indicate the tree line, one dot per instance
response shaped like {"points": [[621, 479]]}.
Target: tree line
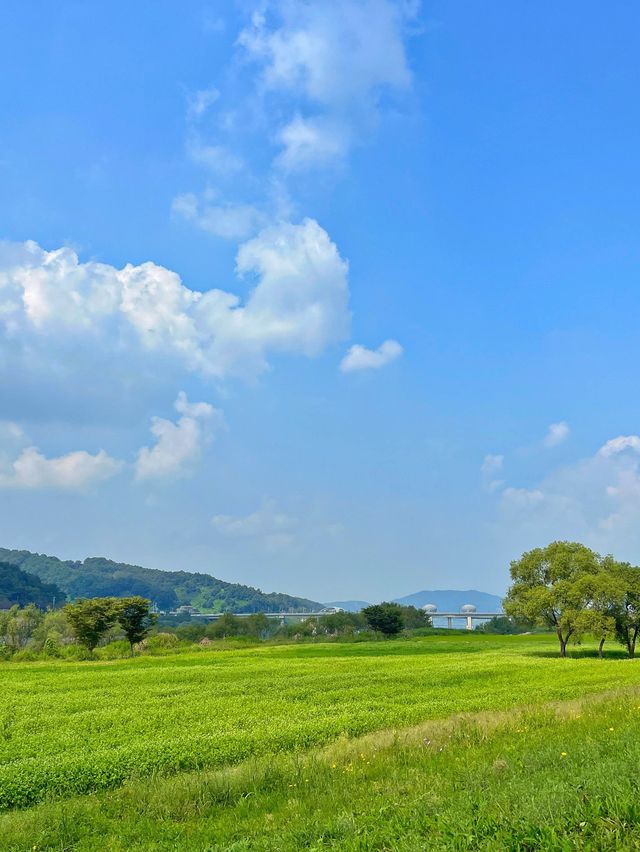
{"points": [[90, 618], [573, 590], [386, 619], [86, 621], [565, 587]]}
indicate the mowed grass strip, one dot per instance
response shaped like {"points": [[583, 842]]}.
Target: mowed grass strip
{"points": [[82, 727], [556, 777]]}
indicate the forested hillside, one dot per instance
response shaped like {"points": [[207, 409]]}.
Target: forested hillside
{"points": [[18, 587], [99, 577]]}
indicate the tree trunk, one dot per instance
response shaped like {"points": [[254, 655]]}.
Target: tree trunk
{"points": [[631, 644], [563, 641], [600, 646]]}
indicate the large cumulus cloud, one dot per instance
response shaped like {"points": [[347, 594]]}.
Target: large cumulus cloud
{"points": [[56, 311]]}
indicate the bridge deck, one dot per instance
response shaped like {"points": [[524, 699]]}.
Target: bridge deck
{"points": [[214, 615]]}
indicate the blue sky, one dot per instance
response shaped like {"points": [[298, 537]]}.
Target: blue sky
{"points": [[338, 299]]}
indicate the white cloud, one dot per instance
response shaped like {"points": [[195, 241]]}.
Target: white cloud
{"points": [[178, 445], [268, 523], [10, 433], [620, 445], [198, 103], [556, 434], [595, 500], [335, 59], [23, 466], [56, 312], [217, 159], [310, 141], [491, 466], [76, 470], [360, 358], [223, 219], [522, 497]]}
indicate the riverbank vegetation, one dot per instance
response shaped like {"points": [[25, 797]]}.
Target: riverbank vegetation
{"points": [[110, 628]]}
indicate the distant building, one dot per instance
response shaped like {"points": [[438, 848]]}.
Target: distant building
{"points": [[186, 609]]}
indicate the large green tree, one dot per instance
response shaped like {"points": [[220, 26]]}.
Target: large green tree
{"points": [[385, 618], [602, 595], [135, 618], [90, 619], [545, 587], [627, 609]]}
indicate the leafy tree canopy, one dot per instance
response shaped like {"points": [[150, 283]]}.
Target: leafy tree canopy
{"points": [[568, 587], [135, 618], [385, 618], [90, 619]]}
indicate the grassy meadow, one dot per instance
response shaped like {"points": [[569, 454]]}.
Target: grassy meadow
{"points": [[289, 747]]}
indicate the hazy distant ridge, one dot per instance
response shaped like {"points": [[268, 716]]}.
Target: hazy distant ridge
{"points": [[447, 600], [450, 600]]}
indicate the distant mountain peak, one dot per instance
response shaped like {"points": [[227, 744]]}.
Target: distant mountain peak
{"points": [[451, 600]]}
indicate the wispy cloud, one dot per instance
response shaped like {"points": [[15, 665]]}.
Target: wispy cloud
{"points": [[596, 499], [490, 469], [360, 358], [557, 433], [178, 445], [268, 523]]}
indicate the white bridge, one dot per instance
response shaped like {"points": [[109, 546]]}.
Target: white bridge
{"points": [[469, 617], [282, 616], [465, 614]]}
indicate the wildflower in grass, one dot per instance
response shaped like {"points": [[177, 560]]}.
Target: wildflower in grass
{"points": [[563, 754]]}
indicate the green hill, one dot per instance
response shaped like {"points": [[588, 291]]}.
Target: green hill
{"points": [[19, 587], [99, 577]]}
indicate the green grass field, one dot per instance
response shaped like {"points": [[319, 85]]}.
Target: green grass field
{"points": [[501, 778]]}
